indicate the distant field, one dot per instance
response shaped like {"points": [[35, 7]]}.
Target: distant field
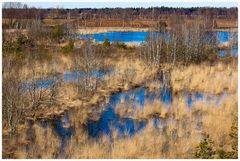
{"points": [[224, 23], [220, 23], [103, 22]]}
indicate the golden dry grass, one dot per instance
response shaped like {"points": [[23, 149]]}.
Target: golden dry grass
{"points": [[209, 79], [226, 23], [92, 30], [34, 142], [60, 64], [153, 85], [130, 72]]}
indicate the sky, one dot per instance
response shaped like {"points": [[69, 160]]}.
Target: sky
{"points": [[128, 4]]}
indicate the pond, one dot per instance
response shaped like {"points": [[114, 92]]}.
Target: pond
{"points": [[126, 37], [225, 36], [140, 37]]}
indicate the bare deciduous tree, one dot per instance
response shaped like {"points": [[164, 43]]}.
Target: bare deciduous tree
{"points": [[86, 64]]}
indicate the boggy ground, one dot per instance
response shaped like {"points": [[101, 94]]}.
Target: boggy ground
{"points": [[179, 139]]}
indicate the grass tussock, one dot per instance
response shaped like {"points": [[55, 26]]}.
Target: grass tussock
{"points": [[35, 142]]}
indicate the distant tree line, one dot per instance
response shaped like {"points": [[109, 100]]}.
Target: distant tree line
{"points": [[19, 10]]}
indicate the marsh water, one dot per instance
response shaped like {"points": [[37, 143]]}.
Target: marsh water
{"points": [[110, 121]]}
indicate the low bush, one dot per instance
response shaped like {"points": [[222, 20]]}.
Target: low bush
{"points": [[205, 149], [106, 43], [57, 32], [68, 48], [121, 45]]}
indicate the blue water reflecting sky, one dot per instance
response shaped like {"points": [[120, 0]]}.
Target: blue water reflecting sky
{"points": [[139, 37]]}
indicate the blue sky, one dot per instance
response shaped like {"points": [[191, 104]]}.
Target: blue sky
{"points": [[128, 4]]}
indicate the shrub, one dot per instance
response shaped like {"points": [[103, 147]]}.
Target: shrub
{"points": [[161, 26], [205, 149], [57, 32], [122, 45], [43, 53], [17, 45], [234, 137], [106, 43], [22, 39], [22, 42], [69, 47]]}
